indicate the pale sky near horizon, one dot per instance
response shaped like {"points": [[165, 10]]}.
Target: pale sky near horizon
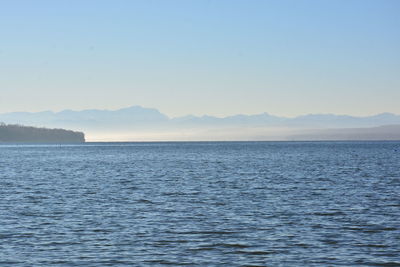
{"points": [[217, 57]]}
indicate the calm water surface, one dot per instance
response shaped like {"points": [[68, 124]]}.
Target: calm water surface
{"points": [[201, 204]]}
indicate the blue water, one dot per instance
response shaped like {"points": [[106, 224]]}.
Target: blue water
{"points": [[200, 204]]}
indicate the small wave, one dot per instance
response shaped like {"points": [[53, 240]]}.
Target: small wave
{"points": [[145, 201], [373, 245], [231, 245], [165, 262], [333, 213], [256, 252], [204, 233], [385, 264]]}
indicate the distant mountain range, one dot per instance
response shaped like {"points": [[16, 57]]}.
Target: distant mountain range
{"points": [[139, 116], [125, 117], [388, 132], [137, 119]]}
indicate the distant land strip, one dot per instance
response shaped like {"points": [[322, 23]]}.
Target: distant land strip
{"points": [[14, 133]]}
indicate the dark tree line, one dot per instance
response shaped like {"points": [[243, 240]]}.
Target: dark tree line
{"points": [[28, 134]]}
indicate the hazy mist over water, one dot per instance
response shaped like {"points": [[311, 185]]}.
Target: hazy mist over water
{"points": [[200, 204]]}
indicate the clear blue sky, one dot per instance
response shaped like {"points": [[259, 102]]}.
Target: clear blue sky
{"points": [[201, 56]]}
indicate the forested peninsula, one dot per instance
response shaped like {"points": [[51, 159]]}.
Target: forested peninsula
{"points": [[13, 133]]}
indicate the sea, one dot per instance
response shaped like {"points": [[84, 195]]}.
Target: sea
{"points": [[200, 204]]}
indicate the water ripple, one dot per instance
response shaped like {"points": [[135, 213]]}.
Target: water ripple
{"points": [[201, 204]]}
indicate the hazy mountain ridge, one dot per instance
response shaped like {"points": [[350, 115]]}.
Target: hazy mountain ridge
{"points": [[387, 132], [138, 122], [87, 118], [147, 116], [345, 121]]}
